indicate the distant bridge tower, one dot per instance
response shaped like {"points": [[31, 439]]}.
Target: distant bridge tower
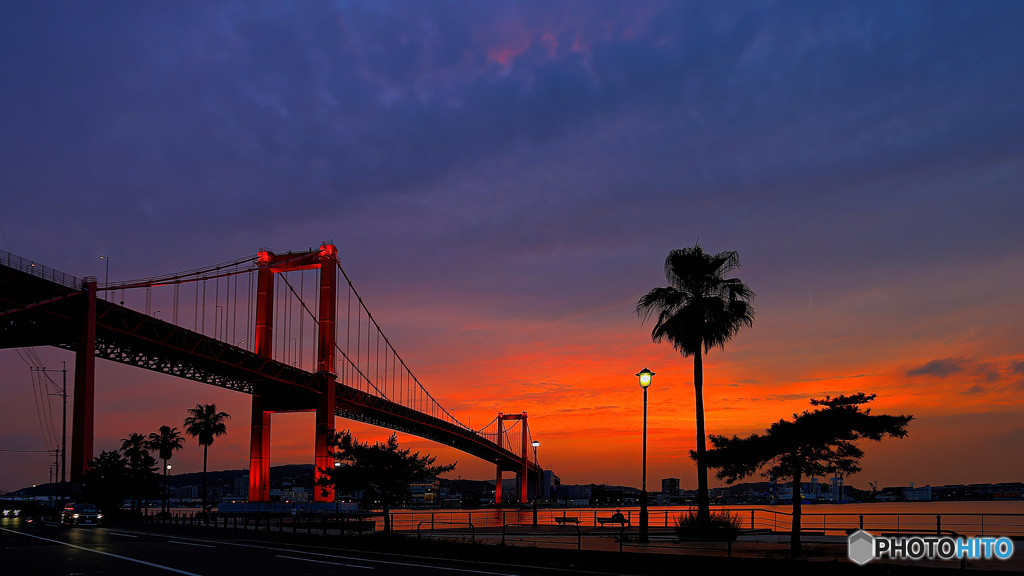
{"points": [[325, 259], [521, 473]]}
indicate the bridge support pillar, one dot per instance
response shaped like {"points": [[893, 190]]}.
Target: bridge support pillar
{"points": [[501, 441], [323, 458], [259, 436], [85, 387], [523, 476], [326, 338], [259, 452], [325, 259]]}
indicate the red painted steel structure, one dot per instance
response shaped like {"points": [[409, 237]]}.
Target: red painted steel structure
{"points": [[325, 259], [40, 306], [521, 475], [85, 385]]}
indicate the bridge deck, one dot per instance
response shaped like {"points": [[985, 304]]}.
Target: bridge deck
{"points": [[43, 307]]}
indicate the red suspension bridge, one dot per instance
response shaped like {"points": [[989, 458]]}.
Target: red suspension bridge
{"points": [[289, 329]]}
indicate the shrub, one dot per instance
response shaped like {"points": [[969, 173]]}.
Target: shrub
{"points": [[723, 526]]}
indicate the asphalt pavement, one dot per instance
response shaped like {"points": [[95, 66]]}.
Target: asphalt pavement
{"points": [[53, 550]]}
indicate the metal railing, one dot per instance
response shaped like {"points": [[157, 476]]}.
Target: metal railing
{"points": [[34, 268], [472, 529], [536, 531], [749, 519]]}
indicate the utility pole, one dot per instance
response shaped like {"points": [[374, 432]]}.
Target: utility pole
{"points": [[62, 461]]}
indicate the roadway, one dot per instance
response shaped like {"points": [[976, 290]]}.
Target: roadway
{"points": [[54, 550]]}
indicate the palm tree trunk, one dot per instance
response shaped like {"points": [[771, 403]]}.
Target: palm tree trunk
{"points": [[206, 448], [703, 501], [166, 495]]}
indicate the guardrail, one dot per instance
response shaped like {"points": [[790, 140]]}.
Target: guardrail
{"points": [[36, 269], [774, 520], [283, 522], [472, 529], [504, 532]]}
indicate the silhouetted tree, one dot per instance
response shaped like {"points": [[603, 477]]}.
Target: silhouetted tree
{"points": [[698, 310], [383, 471], [141, 467], [813, 443], [165, 442], [205, 423], [106, 481]]}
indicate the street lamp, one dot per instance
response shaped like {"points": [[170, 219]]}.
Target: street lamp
{"points": [[167, 491], [106, 276], [536, 494], [645, 376]]}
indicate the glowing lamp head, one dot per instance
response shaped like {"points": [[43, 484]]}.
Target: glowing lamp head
{"points": [[536, 443], [645, 377]]}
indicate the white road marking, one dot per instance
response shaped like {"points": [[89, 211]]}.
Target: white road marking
{"points": [[367, 560], [122, 534], [160, 566], [190, 544], [375, 561], [326, 562]]}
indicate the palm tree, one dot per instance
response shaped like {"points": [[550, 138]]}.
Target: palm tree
{"points": [[700, 309], [140, 466], [205, 423], [165, 442]]}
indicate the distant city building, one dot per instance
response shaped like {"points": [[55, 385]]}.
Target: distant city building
{"points": [[549, 484], [425, 493], [670, 486], [809, 491], [187, 493], [574, 492], [289, 494], [242, 486], [922, 494]]}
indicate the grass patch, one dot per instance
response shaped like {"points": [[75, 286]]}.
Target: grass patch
{"points": [[723, 527]]}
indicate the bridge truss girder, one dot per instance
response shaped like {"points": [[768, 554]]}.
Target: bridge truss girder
{"points": [[37, 311]]}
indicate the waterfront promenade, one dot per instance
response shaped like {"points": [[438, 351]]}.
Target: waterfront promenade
{"points": [[824, 538]]}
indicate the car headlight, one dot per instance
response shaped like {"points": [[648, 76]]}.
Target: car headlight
{"points": [[74, 515], [98, 516]]}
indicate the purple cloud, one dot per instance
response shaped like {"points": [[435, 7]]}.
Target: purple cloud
{"points": [[940, 367]]}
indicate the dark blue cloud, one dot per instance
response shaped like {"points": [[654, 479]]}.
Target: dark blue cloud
{"points": [[513, 136]]}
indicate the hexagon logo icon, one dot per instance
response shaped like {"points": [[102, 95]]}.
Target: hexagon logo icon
{"points": [[861, 547]]}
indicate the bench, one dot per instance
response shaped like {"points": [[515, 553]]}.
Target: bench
{"points": [[610, 520], [563, 521]]}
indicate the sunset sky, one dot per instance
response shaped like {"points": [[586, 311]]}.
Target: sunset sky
{"points": [[504, 180]]}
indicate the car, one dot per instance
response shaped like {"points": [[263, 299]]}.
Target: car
{"points": [[81, 514]]}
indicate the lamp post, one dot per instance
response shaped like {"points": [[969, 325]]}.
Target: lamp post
{"points": [[106, 275], [536, 494], [167, 491], [645, 382]]}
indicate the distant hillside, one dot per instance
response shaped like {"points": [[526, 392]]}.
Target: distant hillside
{"points": [[299, 474]]}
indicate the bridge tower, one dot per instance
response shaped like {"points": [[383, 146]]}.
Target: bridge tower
{"points": [[82, 420], [521, 479], [324, 259]]}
